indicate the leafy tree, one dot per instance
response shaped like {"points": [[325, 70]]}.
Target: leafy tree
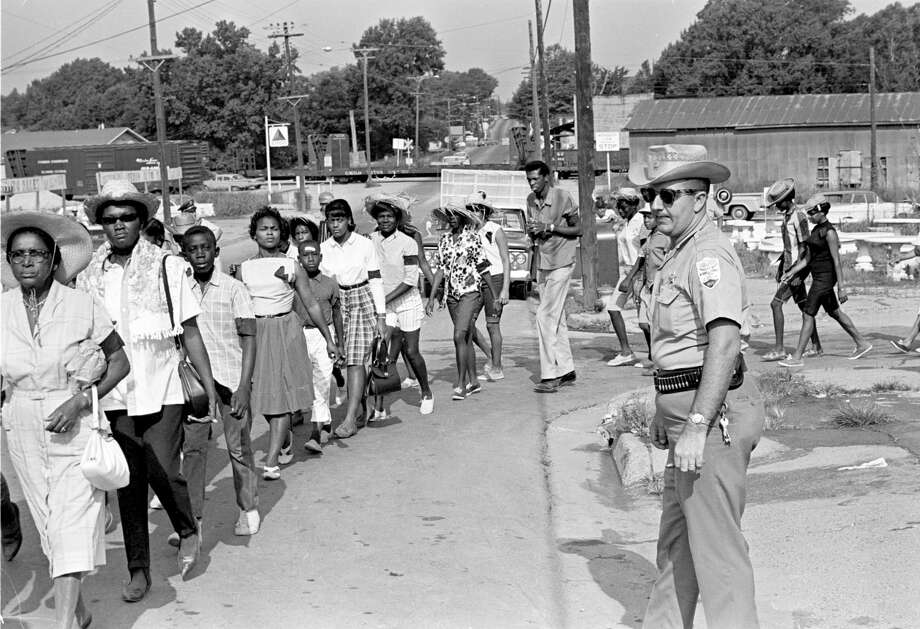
{"points": [[560, 81]]}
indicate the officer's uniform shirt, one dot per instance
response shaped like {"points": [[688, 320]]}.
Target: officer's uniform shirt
{"points": [[700, 280]]}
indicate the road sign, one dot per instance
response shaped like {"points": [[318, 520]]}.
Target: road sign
{"points": [[399, 144], [143, 175], [277, 135], [19, 185], [607, 141]]}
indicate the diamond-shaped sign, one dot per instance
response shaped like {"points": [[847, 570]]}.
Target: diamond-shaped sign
{"points": [[278, 135]]}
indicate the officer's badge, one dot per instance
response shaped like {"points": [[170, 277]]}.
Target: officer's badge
{"points": [[709, 271]]}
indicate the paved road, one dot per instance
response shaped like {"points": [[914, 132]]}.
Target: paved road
{"points": [[493, 153]]}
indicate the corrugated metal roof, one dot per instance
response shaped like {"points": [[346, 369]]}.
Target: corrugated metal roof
{"points": [[800, 110], [75, 137]]}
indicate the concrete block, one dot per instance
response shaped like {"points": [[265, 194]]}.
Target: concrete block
{"points": [[634, 462]]}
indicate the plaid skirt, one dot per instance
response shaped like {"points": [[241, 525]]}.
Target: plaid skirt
{"points": [[359, 321]]}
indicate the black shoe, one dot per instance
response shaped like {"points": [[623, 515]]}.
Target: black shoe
{"points": [[133, 594], [12, 542], [568, 378], [547, 385]]}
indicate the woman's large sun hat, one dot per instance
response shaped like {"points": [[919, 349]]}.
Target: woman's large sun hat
{"points": [[71, 237]]}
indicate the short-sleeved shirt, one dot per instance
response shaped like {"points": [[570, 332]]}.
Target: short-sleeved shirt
{"points": [[226, 314], [154, 378], [462, 262], [795, 232], [353, 262], [398, 258], [654, 250], [326, 291], [270, 295], [628, 239], [487, 233], [700, 280], [556, 251], [36, 363]]}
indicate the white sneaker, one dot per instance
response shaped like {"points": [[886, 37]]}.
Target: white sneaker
{"points": [[496, 374], [427, 406], [340, 398], [621, 360], [287, 452], [248, 523], [409, 383], [155, 503], [378, 416]]}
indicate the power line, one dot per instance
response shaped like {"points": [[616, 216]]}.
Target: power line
{"points": [[103, 39]]}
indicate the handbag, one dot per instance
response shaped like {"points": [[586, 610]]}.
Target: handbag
{"points": [[196, 398], [382, 378], [103, 463]]}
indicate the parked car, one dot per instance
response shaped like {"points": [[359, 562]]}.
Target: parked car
{"points": [[520, 256], [740, 206], [857, 205], [232, 182]]}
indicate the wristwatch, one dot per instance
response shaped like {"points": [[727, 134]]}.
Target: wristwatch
{"points": [[697, 419]]}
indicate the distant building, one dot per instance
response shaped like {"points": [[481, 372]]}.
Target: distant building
{"points": [[820, 139], [25, 140]]}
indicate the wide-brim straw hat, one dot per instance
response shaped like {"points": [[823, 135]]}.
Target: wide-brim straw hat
{"points": [[71, 237], [780, 191], [399, 204], [119, 191], [181, 223], [670, 162], [442, 213], [479, 200], [816, 201]]}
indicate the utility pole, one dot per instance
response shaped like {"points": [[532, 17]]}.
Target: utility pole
{"points": [[541, 71], [418, 92], [533, 86], [152, 62], [584, 123], [294, 101], [873, 147], [364, 53]]}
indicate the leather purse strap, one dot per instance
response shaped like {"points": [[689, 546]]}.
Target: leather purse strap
{"points": [[172, 324]]}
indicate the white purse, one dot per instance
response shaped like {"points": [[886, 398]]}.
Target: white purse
{"points": [[103, 463]]}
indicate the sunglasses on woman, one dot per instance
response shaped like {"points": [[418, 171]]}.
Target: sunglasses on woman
{"points": [[667, 196]]}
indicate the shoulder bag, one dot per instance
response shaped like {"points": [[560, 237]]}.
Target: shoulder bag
{"points": [[103, 463], [196, 398]]}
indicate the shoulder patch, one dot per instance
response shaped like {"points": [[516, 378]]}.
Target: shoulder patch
{"points": [[709, 271]]}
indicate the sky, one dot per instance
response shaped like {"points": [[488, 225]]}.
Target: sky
{"points": [[488, 34]]}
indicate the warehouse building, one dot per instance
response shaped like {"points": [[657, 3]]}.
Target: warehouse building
{"points": [[823, 140]]}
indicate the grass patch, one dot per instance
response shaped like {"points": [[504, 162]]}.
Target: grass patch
{"points": [[889, 385], [774, 416], [634, 418], [859, 414], [755, 263], [783, 383]]}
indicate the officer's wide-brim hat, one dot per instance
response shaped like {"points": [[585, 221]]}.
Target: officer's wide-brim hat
{"points": [[181, 223], [443, 213], [71, 238], [670, 162], [117, 192], [780, 191]]}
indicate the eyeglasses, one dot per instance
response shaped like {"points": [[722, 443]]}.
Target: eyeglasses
{"points": [[666, 195], [124, 218], [38, 255]]}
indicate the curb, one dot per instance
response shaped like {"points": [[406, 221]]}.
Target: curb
{"points": [[636, 461]]}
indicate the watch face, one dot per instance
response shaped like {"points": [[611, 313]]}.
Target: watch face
{"points": [[696, 418]]}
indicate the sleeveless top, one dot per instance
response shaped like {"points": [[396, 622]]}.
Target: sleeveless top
{"points": [[821, 262], [490, 246], [270, 295]]}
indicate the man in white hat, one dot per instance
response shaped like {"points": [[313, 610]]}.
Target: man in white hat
{"points": [[709, 414], [131, 277], [795, 231]]}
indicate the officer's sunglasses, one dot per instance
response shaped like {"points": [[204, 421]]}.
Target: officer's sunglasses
{"points": [[666, 195]]}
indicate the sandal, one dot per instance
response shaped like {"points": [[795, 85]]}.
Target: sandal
{"points": [[789, 361], [342, 433], [859, 353], [901, 347], [773, 356], [812, 353], [271, 472]]}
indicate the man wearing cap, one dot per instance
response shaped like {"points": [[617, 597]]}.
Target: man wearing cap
{"points": [[709, 414], [399, 270], [554, 226], [130, 276], [628, 243], [794, 231]]}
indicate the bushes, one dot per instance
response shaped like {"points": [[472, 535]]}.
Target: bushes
{"points": [[755, 263], [233, 203]]}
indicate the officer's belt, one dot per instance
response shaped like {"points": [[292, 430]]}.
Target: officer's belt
{"points": [[680, 380]]}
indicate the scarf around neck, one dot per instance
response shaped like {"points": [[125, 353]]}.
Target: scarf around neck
{"points": [[149, 316]]}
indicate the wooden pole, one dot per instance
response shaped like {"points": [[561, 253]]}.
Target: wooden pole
{"points": [[873, 146], [534, 93], [160, 112], [541, 70], [584, 116]]}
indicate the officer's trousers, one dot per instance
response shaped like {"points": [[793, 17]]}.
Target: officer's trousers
{"points": [[701, 549]]}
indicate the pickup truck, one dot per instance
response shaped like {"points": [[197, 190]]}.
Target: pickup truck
{"points": [[232, 182], [741, 206]]}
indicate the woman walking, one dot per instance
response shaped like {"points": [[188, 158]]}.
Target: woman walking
{"points": [[822, 258], [351, 260], [57, 341], [461, 262], [281, 379]]}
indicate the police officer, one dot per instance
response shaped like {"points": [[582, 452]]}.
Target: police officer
{"points": [[709, 413]]}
